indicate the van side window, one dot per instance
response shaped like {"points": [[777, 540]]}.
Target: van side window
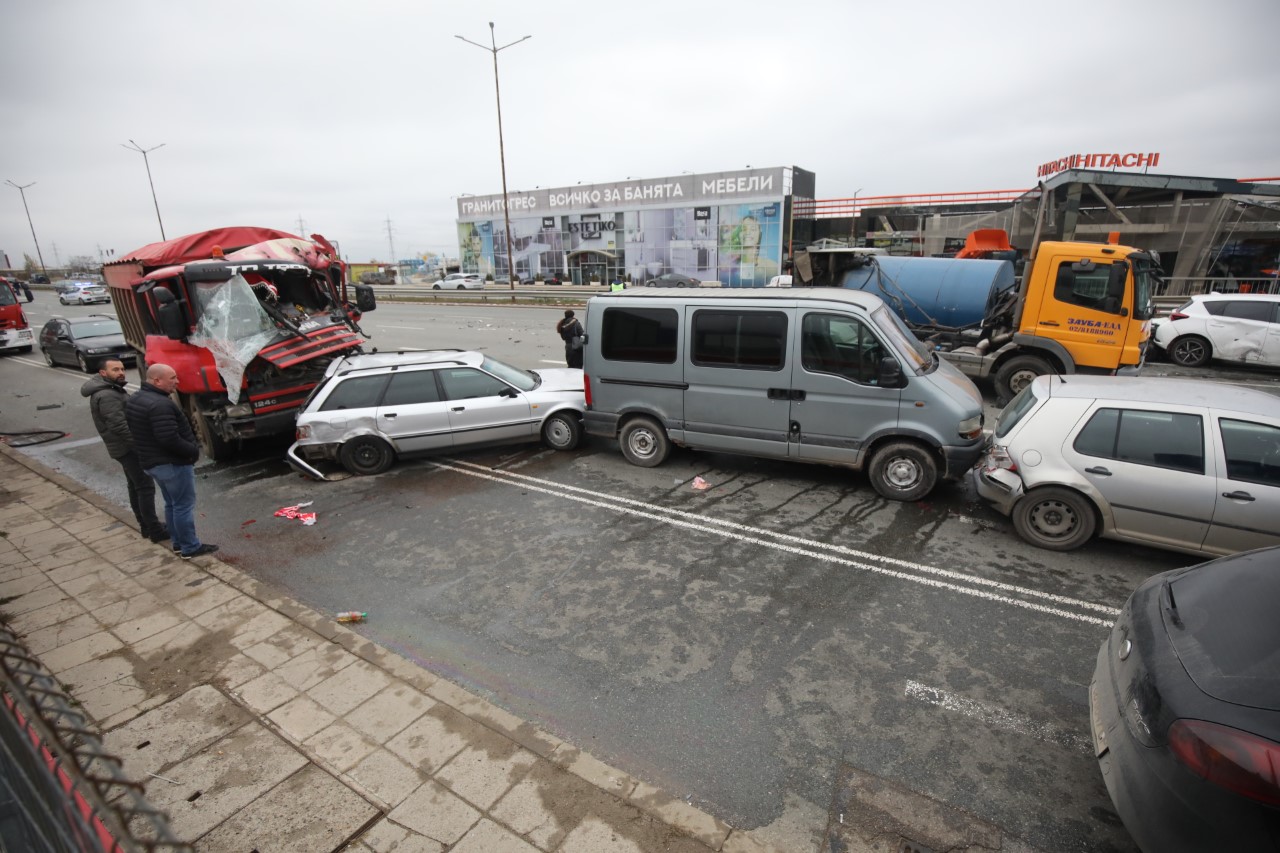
{"points": [[1088, 289], [754, 340], [1253, 451], [410, 387], [835, 343], [357, 392], [640, 334], [465, 383], [1160, 439]]}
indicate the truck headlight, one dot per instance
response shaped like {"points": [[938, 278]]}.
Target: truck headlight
{"points": [[971, 427], [240, 410]]}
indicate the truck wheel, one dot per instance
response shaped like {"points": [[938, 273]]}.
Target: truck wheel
{"points": [[644, 443], [1017, 373], [1190, 351], [1055, 518], [903, 471], [562, 431], [366, 455], [211, 444]]}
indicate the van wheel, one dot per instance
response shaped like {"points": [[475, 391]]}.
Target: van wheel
{"points": [[366, 455], [562, 431], [1055, 518], [903, 471], [644, 443], [1190, 351], [1017, 373]]}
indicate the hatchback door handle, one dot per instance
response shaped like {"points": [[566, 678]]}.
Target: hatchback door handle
{"points": [[1239, 496], [1098, 469]]}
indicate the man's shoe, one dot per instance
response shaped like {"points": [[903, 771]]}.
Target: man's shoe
{"points": [[159, 535], [201, 551]]}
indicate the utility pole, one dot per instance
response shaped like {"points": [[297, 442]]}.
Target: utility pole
{"points": [[391, 244], [502, 155], [23, 191], [133, 146]]}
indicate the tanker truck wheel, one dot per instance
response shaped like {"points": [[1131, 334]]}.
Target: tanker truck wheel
{"points": [[1017, 373], [211, 444]]}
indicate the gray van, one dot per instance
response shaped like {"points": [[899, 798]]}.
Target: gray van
{"points": [[830, 376]]}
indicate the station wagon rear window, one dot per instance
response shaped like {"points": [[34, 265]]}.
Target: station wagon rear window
{"points": [[357, 392], [640, 334], [753, 340]]}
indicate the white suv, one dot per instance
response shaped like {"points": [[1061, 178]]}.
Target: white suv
{"points": [[1242, 327], [373, 408], [460, 281], [1182, 464]]}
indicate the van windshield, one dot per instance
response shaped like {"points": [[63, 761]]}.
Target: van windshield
{"points": [[901, 339]]}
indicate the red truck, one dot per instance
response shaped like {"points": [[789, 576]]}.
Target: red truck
{"points": [[248, 317]]}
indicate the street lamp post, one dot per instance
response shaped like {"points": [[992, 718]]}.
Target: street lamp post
{"points": [[144, 152], [22, 190], [502, 155]]}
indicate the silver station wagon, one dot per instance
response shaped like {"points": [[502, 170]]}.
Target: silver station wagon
{"points": [[371, 409], [1182, 464]]}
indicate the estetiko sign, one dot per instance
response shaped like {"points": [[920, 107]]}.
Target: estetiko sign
{"points": [[1098, 161]]}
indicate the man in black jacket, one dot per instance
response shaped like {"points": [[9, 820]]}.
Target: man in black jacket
{"points": [[106, 404], [167, 450]]}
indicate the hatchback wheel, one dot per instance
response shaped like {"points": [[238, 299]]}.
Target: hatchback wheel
{"points": [[462, 287], [562, 431], [1190, 351], [644, 443], [435, 287], [63, 300], [366, 455], [1055, 518]]}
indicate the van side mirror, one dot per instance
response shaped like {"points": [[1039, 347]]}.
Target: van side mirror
{"points": [[890, 374], [365, 299]]}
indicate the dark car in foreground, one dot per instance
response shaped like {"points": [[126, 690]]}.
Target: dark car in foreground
{"points": [[1185, 707], [84, 342]]}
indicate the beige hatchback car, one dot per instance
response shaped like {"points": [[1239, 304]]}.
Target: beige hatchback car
{"points": [[1187, 465]]}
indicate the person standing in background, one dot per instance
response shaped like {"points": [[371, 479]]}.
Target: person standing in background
{"points": [[571, 332]]}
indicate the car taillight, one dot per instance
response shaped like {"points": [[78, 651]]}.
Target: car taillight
{"points": [[998, 457], [1242, 763], [586, 388], [303, 432], [1178, 315]]}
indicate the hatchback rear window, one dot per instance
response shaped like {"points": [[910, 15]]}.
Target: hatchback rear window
{"points": [[1250, 309]]}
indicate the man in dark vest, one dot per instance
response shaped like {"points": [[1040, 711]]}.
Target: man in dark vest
{"points": [[167, 450], [106, 404]]}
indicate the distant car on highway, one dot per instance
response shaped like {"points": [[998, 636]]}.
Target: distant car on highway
{"points": [[673, 279], [82, 292], [1239, 327], [84, 342], [1185, 707], [39, 278], [460, 281]]}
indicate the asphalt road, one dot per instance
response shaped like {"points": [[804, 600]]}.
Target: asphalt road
{"points": [[748, 646]]}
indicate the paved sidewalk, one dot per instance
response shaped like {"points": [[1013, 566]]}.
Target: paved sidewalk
{"points": [[259, 724]]}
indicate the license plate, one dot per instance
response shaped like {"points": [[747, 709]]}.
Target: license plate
{"points": [[24, 335], [1099, 731]]}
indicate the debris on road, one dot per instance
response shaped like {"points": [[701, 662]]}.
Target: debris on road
{"points": [[294, 512], [352, 616], [700, 485]]}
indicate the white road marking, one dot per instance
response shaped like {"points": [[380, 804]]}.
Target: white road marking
{"points": [[53, 371], [918, 572], [993, 716], [55, 446]]}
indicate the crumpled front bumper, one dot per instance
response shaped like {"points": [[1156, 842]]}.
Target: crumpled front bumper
{"points": [[999, 486]]}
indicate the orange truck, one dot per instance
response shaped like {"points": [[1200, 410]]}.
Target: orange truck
{"points": [[249, 318]]}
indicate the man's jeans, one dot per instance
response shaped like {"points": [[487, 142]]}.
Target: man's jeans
{"points": [[142, 494], [178, 485]]}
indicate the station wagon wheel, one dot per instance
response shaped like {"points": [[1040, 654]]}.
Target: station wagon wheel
{"points": [[83, 362], [1190, 351], [48, 357], [644, 443], [562, 431], [903, 471], [1055, 518], [366, 455]]}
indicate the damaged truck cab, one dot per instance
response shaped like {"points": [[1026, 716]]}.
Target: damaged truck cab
{"points": [[248, 317]]}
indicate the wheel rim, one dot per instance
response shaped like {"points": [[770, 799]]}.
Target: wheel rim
{"points": [[48, 357], [1188, 352], [1021, 379], [642, 443], [367, 456], [903, 472], [84, 365], [557, 432], [1054, 519]]}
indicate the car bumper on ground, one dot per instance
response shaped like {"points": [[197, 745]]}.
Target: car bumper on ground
{"points": [[10, 338], [999, 487], [294, 458]]}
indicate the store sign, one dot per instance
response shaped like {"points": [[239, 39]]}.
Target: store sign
{"points": [[1098, 161], [590, 229]]}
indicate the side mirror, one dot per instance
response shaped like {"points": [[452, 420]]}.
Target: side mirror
{"points": [[507, 392], [890, 374], [365, 299], [171, 321]]}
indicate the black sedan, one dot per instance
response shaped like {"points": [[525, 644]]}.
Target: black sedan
{"points": [[84, 342], [1185, 707], [673, 279]]}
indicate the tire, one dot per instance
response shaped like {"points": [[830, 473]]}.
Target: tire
{"points": [[48, 358], [366, 455], [562, 431], [435, 287], [63, 300], [461, 287], [644, 443], [1055, 518], [1017, 373], [83, 363], [903, 471], [1190, 351], [211, 444]]}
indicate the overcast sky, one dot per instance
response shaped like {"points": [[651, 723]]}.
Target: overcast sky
{"points": [[347, 114]]}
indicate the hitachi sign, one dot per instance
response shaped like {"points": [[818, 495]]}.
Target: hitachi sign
{"points": [[1098, 161]]}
